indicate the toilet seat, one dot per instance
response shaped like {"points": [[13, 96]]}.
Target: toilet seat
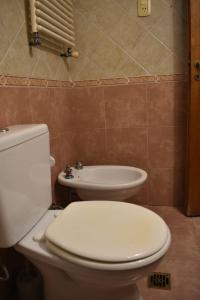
{"points": [[104, 266], [42, 251], [80, 235]]}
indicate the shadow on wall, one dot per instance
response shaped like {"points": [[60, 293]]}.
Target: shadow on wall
{"points": [[179, 41]]}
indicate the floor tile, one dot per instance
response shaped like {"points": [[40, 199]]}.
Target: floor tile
{"points": [[182, 260]]}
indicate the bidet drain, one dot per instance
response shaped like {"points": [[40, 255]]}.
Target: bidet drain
{"points": [[159, 280]]}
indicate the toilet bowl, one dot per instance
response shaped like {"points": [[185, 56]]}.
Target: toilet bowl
{"points": [[86, 255]]}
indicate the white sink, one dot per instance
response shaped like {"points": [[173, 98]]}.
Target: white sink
{"points": [[105, 182]]}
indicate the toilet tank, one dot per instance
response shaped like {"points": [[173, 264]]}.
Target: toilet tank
{"points": [[25, 181]]}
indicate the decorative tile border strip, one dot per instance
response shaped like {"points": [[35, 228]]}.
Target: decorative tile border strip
{"points": [[10, 80], [85, 83], [143, 79], [38, 82], [56, 83], [16, 81], [175, 77], [2, 80], [114, 81]]}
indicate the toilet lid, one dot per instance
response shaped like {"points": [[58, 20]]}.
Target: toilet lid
{"points": [[108, 231]]}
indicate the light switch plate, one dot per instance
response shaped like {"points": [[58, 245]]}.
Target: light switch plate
{"points": [[144, 8]]}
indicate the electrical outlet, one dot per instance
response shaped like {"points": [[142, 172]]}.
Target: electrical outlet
{"points": [[144, 8]]}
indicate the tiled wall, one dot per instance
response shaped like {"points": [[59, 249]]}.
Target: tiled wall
{"points": [[16, 57], [112, 41], [130, 120], [141, 124]]}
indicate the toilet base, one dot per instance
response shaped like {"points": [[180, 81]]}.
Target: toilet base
{"points": [[74, 291], [59, 286], [126, 293]]}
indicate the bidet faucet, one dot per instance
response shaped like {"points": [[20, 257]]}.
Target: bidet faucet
{"points": [[78, 165], [68, 173]]}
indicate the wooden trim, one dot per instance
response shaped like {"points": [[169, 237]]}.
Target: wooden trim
{"points": [[193, 139]]}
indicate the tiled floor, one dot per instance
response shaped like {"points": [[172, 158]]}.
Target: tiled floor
{"points": [[182, 259]]}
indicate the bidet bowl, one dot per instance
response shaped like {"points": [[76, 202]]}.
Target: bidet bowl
{"points": [[105, 182]]}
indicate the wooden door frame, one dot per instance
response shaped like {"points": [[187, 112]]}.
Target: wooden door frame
{"points": [[193, 110]]}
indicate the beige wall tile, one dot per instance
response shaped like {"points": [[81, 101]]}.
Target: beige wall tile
{"points": [[112, 40], [91, 71], [20, 58], [172, 64], [23, 7], [63, 70], [127, 33], [41, 69], [108, 56], [107, 14], [77, 66], [130, 68], [10, 23], [170, 30], [150, 53]]}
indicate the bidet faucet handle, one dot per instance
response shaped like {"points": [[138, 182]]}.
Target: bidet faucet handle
{"points": [[68, 172], [78, 165]]}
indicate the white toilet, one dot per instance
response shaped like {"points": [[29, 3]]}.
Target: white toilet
{"points": [[92, 250]]}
